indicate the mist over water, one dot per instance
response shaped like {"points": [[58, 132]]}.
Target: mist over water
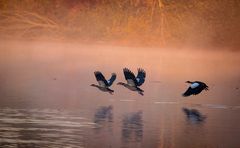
{"points": [[47, 100]]}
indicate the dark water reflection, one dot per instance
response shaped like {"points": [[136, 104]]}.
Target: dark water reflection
{"points": [[103, 113], [132, 127], [46, 100], [103, 118], [193, 115]]}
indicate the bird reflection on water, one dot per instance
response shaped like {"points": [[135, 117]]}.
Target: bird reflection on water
{"points": [[103, 114], [132, 127], [193, 115]]}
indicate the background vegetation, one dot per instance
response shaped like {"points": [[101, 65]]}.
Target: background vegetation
{"points": [[134, 22]]}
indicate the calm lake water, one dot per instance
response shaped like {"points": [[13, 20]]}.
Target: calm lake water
{"points": [[47, 101]]}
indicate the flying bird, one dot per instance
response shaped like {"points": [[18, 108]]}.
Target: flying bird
{"points": [[133, 82], [104, 84], [195, 88]]}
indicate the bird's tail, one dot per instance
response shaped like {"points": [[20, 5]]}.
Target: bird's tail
{"points": [[207, 88]]}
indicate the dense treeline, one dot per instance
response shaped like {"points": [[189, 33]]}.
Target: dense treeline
{"points": [[149, 22]]}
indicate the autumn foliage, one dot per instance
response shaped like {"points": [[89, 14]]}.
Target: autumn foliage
{"points": [[136, 22]]}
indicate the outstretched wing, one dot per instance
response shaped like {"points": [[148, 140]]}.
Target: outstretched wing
{"points": [[140, 77], [112, 79], [193, 91], [130, 77], [101, 79], [188, 92]]}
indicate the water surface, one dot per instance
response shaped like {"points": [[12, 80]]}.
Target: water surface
{"points": [[47, 100]]}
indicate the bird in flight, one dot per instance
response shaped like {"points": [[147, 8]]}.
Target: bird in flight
{"points": [[104, 84], [133, 82], [195, 88]]}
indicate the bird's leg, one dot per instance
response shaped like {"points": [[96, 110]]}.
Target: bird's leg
{"points": [[141, 93], [110, 91], [121, 83]]}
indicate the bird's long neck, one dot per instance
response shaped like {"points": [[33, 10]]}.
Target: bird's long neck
{"points": [[124, 84], [94, 85], [189, 82]]}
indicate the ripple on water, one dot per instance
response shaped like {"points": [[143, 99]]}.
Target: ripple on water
{"points": [[41, 128]]}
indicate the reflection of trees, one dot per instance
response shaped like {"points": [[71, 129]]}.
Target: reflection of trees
{"points": [[103, 113], [193, 115], [132, 127]]}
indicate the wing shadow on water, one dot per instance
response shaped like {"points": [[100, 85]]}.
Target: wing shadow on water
{"points": [[194, 116], [132, 127], [103, 115]]}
